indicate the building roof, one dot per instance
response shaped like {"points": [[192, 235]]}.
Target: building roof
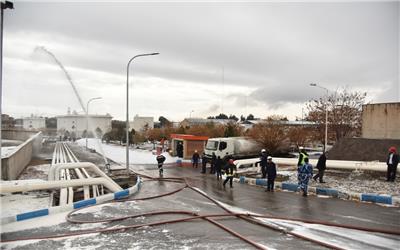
{"points": [[33, 118], [84, 116], [189, 137], [198, 121], [289, 123]]}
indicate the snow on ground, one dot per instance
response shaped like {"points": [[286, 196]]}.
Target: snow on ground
{"points": [[43, 221], [7, 151], [355, 181], [117, 153], [12, 204], [35, 172]]}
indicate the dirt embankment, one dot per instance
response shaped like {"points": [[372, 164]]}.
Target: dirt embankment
{"points": [[362, 149]]}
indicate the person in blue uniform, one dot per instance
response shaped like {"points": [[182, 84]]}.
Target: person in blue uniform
{"points": [[271, 174], [305, 172]]}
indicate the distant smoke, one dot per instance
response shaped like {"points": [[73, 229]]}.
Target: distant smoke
{"points": [[42, 48]]}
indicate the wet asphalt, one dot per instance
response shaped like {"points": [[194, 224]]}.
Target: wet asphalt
{"points": [[199, 234]]}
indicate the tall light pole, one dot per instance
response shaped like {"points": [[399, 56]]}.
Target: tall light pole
{"points": [[3, 6], [127, 105], [326, 112], [190, 115], [87, 117]]}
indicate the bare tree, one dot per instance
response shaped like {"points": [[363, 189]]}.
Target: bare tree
{"points": [[298, 135], [270, 134], [344, 113]]}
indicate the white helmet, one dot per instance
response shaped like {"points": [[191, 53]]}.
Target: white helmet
{"points": [[300, 148], [263, 150]]}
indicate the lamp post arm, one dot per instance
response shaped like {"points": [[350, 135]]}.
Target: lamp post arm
{"points": [[127, 104], [87, 117]]}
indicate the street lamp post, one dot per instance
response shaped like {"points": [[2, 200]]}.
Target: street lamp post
{"points": [[326, 112], [3, 6], [87, 118], [127, 105]]}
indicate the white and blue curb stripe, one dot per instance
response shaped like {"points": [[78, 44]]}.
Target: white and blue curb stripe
{"points": [[79, 204], [385, 199], [374, 198]]}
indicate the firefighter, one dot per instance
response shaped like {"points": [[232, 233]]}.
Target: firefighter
{"points": [[160, 160], [263, 163], [212, 163], [195, 159], [203, 163], [230, 170], [218, 167]]}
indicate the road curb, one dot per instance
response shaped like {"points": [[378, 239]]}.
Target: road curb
{"points": [[362, 197], [79, 204]]}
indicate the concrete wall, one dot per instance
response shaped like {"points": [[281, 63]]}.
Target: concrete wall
{"points": [[16, 134], [139, 123], [381, 121], [33, 123], [15, 163], [77, 124]]}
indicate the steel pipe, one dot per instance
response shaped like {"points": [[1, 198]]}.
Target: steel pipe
{"points": [[14, 186]]}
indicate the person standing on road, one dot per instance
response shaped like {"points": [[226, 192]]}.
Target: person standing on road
{"points": [[179, 150], [218, 167], [263, 163], [392, 162], [160, 160], [305, 172], [321, 166], [230, 170], [203, 163], [302, 156], [212, 163], [195, 159], [271, 172]]}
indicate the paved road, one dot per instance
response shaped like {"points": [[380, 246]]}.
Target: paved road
{"points": [[203, 235]]}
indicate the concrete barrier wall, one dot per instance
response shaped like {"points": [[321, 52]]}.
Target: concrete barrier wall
{"points": [[15, 163], [381, 121], [16, 134]]}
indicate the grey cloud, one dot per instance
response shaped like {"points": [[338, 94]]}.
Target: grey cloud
{"points": [[277, 48]]}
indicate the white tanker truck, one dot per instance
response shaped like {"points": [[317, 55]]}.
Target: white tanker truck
{"points": [[232, 147]]}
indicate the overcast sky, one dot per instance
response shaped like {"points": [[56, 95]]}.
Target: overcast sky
{"points": [[235, 58]]}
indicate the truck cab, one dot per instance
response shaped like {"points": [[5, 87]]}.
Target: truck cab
{"points": [[221, 147]]}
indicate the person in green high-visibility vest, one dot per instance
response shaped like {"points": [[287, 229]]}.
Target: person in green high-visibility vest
{"points": [[302, 158]]}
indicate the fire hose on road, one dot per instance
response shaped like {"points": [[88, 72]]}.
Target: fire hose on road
{"points": [[249, 217]]}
